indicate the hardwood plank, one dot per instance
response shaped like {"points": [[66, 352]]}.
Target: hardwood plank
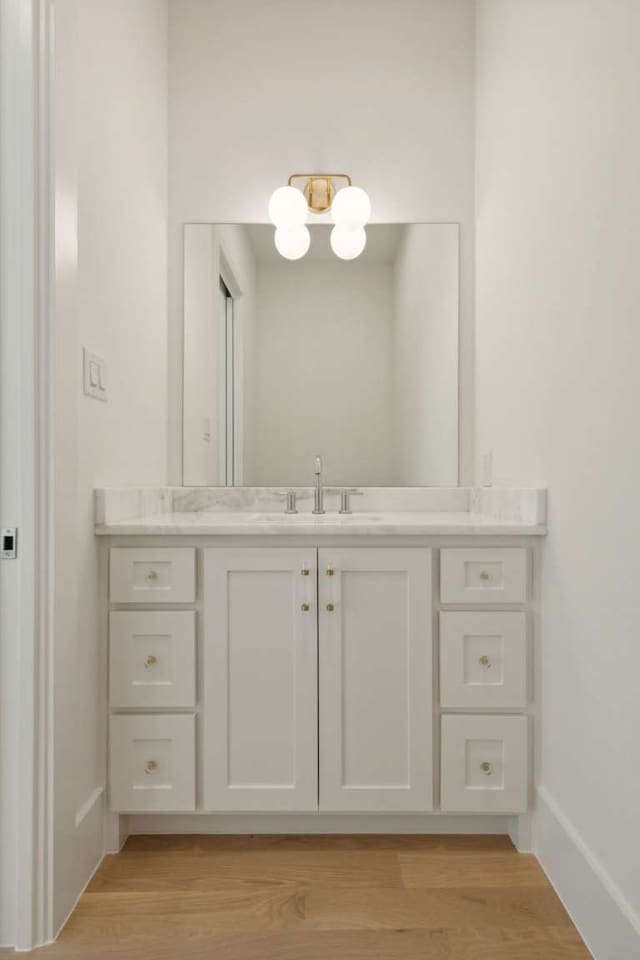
{"points": [[319, 945], [212, 870], [481, 908], [153, 914], [460, 868]]}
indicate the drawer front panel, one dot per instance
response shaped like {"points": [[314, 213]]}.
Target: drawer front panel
{"points": [[483, 659], [152, 660], [484, 764], [152, 763], [148, 575], [483, 575]]}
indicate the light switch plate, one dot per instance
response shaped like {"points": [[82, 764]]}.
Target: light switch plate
{"points": [[95, 375]]}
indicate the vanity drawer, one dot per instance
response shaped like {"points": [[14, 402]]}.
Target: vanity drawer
{"points": [[152, 763], [483, 659], [484, 763], [483, 575], [152, 575], [152, 659]]}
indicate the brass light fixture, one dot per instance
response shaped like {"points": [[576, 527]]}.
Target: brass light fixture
{"points": [[319, 189], [350, 208]]}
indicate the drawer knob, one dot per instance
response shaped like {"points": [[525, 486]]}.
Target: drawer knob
{"points": [[304, 572], [151, 661], [305, 607], [330, 571], [485, 575], [152, 576], [486, 767], [330, 607], [484, 660], [150, 766]]}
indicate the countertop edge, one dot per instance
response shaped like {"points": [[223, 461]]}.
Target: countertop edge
{"points": [[141, 529]]}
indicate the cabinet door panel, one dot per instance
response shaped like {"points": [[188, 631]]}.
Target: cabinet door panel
{"points": [[376, 750], [260, 676]]}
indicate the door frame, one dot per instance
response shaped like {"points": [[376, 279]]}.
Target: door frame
{"points": [[26, 434]]}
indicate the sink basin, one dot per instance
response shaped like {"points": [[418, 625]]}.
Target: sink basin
{"points": [[297, 518]]}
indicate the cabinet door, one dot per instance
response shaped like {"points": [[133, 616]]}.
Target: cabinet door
{"points": [[376, 741], [260, 679]]}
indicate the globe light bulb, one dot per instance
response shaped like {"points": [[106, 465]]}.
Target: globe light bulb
{"points": [[348, 243], [351, 207], [292, 242], [287, 207]]}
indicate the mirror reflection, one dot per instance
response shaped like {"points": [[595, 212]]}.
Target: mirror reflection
{"points": [[354, 360]]}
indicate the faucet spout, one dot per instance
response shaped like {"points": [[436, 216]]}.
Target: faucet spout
{"points": [[318, 493]]}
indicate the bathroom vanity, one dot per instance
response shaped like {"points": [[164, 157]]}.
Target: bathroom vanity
{"points": [[378, 662]]}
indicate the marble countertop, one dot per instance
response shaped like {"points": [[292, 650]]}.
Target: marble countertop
{"points": [[383, 523]]}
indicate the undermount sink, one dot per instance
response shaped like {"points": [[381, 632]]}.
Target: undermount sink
{"points": [[317, 518]]}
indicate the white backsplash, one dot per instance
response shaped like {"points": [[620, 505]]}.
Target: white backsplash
{"points": [[522, 505]]}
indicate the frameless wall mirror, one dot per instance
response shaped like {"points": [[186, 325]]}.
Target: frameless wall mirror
{"points": [[354, 360]]}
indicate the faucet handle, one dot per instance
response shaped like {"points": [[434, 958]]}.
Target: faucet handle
{"points": [[345, 495], [291, 502]]}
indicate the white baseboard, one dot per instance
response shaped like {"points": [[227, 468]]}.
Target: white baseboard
{"points": [[62, 924], [116, 832], [86, 808], [606, 920], [213, 823]]}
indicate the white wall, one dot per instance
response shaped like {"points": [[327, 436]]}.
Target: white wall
{"points": [[111, 229], [426, 355], [558, 394], [261, 90], [324, 381]]}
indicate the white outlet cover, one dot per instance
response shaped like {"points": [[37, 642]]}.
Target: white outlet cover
{"points": [[487, 469], [94, 375]]}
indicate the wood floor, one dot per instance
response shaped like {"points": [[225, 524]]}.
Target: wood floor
{"points": [[319, 898]]}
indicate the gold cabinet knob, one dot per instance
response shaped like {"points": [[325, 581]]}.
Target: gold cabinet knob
{"points": [[305, 607], [485, 575], [152, 576], [330, 571], [486, 767], [484, 660], [330, 607], [304, 572], [151, 661], [150, 766]]}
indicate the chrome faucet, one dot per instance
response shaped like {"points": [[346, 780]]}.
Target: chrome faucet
{"points": [[318, 493]]}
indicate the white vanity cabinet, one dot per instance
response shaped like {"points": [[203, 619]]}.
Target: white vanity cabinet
{"points": [[325, 677]]}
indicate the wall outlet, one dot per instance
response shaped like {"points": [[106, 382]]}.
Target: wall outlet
{"points": [[8, 543], [487, 469], [95, 375]]}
